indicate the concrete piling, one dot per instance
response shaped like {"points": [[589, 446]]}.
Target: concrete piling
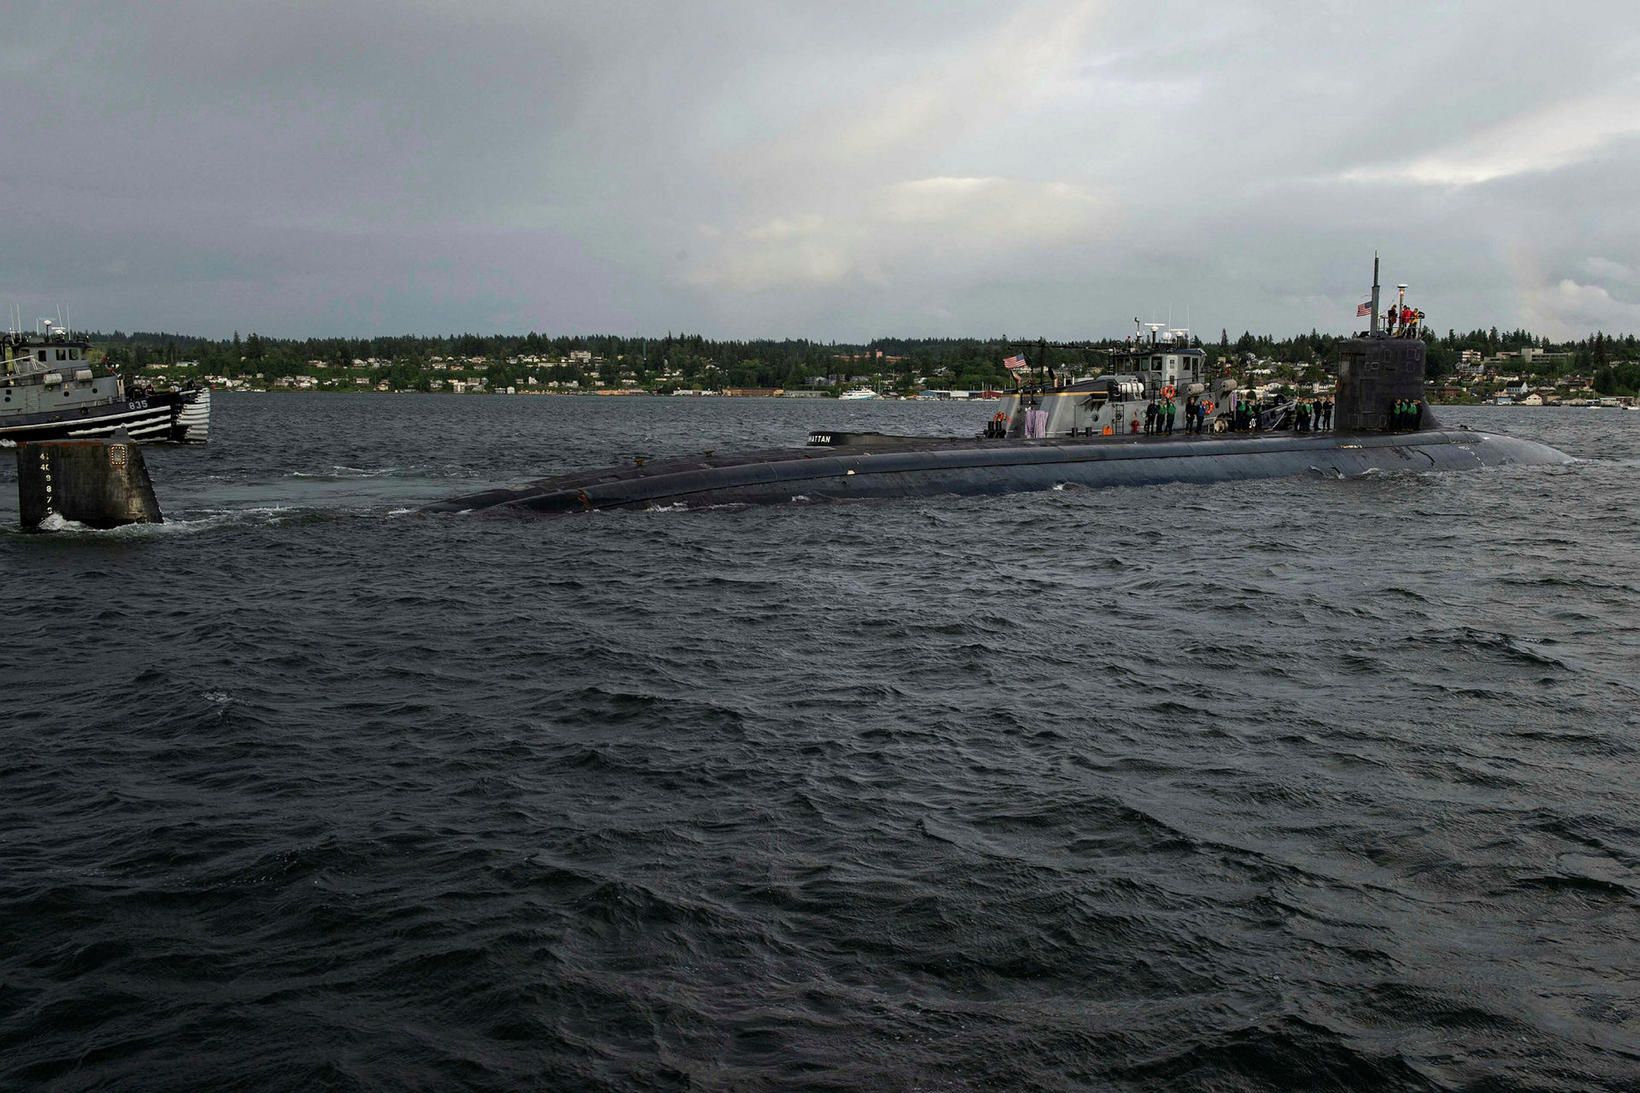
{"points": [[99, 482]]}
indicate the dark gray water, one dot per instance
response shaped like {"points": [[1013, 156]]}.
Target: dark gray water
{"points": [[1288, 784]]}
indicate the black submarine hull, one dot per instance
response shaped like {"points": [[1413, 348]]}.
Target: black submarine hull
{"points": [[872, 466]]}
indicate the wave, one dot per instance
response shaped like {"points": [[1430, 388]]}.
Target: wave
{"points": [[1473, 639], [339, 472]]}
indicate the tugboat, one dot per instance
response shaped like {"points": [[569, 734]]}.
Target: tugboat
{"points": [[1086, 433], [1160, 365], [49, 390]]}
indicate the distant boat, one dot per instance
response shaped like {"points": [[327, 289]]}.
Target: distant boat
{"points": [[858, 393]]}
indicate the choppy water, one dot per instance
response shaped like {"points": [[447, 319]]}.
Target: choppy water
{"points": [[1303, 783]]}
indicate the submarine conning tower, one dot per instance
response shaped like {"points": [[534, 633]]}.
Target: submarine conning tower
{"points": [[1373, 374], [1380, 369]]}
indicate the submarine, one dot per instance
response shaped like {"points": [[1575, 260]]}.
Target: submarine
{"points": [[1086, 432]]}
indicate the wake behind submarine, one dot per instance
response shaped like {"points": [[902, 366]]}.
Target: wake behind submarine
{"points": [[1089, 432]]}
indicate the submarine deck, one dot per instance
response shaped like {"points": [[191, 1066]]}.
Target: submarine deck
{"points": [[883, 465]]}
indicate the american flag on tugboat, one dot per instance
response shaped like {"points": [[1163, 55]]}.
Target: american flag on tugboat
{"points": [[1362, 310], [1015, 363]]}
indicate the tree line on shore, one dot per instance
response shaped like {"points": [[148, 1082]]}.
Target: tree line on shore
{"points": [[692, 360]]}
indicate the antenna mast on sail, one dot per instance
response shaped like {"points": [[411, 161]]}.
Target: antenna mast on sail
{"points": [[1375, 293]]}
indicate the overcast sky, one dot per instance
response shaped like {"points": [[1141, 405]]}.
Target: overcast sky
{"points": [[830, 169]]}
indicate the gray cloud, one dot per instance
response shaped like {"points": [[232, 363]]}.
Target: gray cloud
{"points": [[833, 170]]}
